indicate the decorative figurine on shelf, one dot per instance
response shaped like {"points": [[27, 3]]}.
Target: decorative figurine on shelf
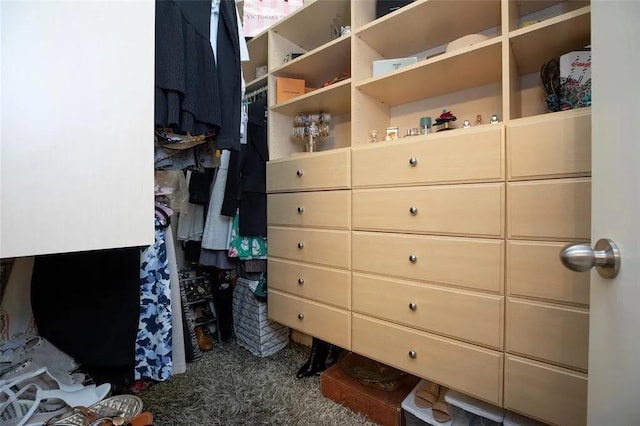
{"points": [[494, 119], [443, 122], [311, 129], [466, 124], [478, 120], [373, 136]]}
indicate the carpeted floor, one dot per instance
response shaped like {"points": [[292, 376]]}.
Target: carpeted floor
{"points": [[230, 386]]}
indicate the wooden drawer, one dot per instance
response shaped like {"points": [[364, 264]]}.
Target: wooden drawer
{"points": [[552, 145], [553, 333], [325, 247], [325, 322], [551, 394], [305, 172], [534, 270], [467, 368], [324, 285], [473, 155], [326, 209], [473, 317], [475, 210], [557, 209], [464, 262]]}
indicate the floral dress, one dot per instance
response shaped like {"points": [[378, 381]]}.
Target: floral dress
{"points": [[154, 340]]}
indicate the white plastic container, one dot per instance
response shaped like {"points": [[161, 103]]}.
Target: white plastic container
{"points": [[469, 411], [513, 419]]}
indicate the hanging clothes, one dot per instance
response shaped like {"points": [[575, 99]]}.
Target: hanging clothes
{"points": [[246, 248], [246, 184], [154, 340], [88, 305], [187, 96]]}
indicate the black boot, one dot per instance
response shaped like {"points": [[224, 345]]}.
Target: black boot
{"points": [[332, 355], [316, 362]]}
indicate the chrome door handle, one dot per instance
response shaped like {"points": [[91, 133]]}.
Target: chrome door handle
{"points": [[605, 257]]}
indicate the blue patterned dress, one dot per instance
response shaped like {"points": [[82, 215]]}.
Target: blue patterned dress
{"points": [[153, 344]]}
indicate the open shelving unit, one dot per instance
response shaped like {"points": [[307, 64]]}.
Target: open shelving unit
{"points": [[378, 189]]}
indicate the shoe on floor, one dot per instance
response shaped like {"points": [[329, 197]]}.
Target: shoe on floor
{"points": [[205, 343]]}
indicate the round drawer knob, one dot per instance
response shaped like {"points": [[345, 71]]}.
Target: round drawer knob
{"points": [[413, 210], [413, 258], [413, 306], [300, 316], [413, 161], [300, 281], [299, 173], [300, 245], [412, 354], [300, 209]]}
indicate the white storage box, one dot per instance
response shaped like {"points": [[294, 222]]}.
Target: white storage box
{"points": [[387, 65], [466, 410], [254, 331], [513, 419]]}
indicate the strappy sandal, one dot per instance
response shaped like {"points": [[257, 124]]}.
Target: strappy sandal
{"points": [[427, 394], [23, 404], [33, 372], [142, 419], [125, 406]]}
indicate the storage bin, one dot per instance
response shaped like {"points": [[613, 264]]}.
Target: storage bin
{"points": [[465, 411], [469, 411], [513, 419], [253, 330]]}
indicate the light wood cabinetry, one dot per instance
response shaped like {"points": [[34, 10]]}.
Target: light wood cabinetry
{"points": [[438, 253]]}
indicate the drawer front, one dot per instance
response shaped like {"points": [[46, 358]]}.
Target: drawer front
{"points": [[325, 322], [320, 170], [326, 209], [552, 333], [463, 262], [449, 210], [557, 209], [438, 158], [324, 285], [551, 394], [460, 366], [324, 247], [473, 317], [534, 270], [554, 145]]}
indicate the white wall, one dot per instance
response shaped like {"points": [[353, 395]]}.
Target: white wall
{"points": [[76, 125]]}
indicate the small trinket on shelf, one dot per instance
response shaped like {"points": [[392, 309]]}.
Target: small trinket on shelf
{"points": [[466, 124], [444, 120], [311, 129], [391, 134], [494, 119], [425, 125], [478, 120], [373, 136]]}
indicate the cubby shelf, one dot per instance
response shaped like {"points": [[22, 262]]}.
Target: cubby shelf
{"points": [[257, 83], [526, 7], [334, 99], [426, 23], [473, 66], [320, 63], [538, 43], [258, 55], [314, 20]]}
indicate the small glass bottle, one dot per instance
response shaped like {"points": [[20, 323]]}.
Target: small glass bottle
{"points": [[373, 136]]}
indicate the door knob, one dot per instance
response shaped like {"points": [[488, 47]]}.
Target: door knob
{"points": [[605, 257]]}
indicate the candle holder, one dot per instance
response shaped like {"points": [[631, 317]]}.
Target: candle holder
{"points": [[311, 129]]}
